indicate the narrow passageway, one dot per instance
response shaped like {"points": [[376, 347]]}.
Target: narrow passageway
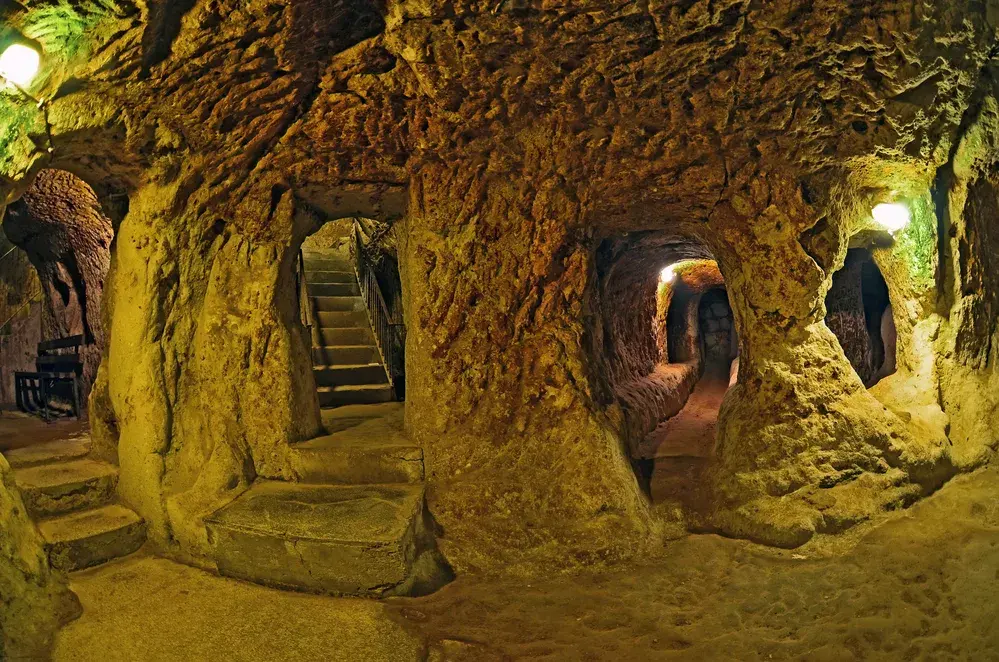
{"points": [[680, 447], [702, 335], [691, 433]]}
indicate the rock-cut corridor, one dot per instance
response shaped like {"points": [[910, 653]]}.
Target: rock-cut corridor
{"points": [[506, 329], [918, 587]]}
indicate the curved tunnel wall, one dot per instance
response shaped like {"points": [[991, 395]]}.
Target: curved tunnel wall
{"points": [[652, 335], [499, 276], [60, 225]]}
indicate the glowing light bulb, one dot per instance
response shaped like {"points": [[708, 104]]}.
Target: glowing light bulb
{"points": [[19, 64], [668, 274], [892, 216]]}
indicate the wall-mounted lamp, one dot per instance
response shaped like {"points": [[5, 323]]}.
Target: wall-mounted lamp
{"points": [[19, 65], [668, 274], [893, 216]]}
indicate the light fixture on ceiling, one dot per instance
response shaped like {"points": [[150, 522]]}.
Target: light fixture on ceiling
{"points": [[892, 216], [19, 65], [668, 274]]}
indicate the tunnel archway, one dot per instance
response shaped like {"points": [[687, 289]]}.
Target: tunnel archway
{"points": [[859, 312], [62, 227], [350, 301], [670, 342]]}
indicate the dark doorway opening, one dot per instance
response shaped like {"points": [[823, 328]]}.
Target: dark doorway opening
{"points": [[860, 314], [719, 344], [61, 226]]}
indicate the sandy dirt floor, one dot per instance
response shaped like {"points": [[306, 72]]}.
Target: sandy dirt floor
{"points": [[920, 585], [18, 430], [691, 433], [681, 446]]}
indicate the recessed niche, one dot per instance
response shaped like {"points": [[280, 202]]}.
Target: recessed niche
{"points": [[859, 312]]}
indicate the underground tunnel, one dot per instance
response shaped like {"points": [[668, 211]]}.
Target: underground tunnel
{"points": [[396, 330]]}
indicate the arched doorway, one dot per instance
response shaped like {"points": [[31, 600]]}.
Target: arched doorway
{"points": [[350, 298], [670, 342], [860, 314], [66, 236]]}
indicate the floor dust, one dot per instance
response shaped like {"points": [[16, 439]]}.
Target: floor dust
{"points": [[145, 609], [920, 586], [691, 433], [18, 430], [680, 447]]}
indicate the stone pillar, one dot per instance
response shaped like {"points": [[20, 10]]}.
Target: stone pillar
{"points": [[799, 415], [209, 372], [500, 292]]}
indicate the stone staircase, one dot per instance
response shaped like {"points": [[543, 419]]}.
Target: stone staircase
{"points": [[353, 524], [72, 499], [346, 362]]}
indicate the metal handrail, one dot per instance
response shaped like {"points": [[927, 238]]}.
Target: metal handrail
{"points": [[387, 331], [4, 256], [304, 302]]}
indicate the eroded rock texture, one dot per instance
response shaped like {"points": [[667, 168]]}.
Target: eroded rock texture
{"points": [[507, 142], [60, 225], [21, 312], [34, 600]]}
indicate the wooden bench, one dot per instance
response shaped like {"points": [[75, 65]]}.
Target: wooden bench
{"points": [[58, 367]]}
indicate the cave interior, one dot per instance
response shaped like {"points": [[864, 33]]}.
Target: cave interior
{"points": [[484, 330]]}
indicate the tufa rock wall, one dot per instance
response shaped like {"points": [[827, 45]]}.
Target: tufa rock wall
{"points": [[35, 599], [507, 142], [59, 224], [20, 308]]}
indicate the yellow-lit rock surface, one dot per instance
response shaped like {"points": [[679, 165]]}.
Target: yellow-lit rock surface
{"points": [[34, 599], [918, 586], [539, 163]]}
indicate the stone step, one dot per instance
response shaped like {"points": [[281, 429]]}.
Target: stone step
{"points": [[60, 450], [361, 394], [357, 335], [339, 319], [52, 489], [325, 304], [360, 540], [333, 355], [357, 459], [91, 537], [334, 289], [324, 277], [337, 375], [328, 262]]}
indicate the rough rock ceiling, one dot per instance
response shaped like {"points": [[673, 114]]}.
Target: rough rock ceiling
{"points": [[648, 111]]}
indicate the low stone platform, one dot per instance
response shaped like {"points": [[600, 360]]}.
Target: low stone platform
{"points": [[61, 450], [361, 540], [51, 489], [91, 537], [349, 458]]}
